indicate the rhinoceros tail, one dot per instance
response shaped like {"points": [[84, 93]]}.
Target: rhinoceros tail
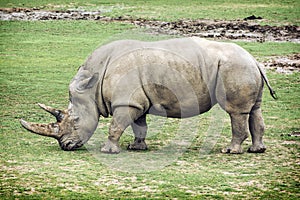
{"points": [[263, 74]]}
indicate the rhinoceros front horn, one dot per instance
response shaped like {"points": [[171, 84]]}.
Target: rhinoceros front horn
{"points": [[49, 130]]}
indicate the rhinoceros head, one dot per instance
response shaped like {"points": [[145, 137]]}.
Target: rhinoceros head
{"points": [[75, 125]]}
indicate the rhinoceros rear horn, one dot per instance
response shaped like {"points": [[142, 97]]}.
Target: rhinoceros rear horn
{"points": [[49, 130], [58, 114]]}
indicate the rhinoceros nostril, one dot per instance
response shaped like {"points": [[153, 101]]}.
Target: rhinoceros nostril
{"points": [[66, 147], [68, 143], [64, 144]]}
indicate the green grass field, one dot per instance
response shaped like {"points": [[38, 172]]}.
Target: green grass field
{"points": [[273, 11], [38, 60]]}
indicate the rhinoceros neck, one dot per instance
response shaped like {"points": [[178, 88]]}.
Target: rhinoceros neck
{"points": [[99, 95]]}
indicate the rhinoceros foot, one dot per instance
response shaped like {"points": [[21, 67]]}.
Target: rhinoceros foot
{"points": [[111, 148], [237, 149], [257, 149], [138, 145]]}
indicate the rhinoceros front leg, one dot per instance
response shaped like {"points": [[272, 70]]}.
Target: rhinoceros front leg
{"points": [[139, 128], [112, 144], [240, 131], [122, 118]]}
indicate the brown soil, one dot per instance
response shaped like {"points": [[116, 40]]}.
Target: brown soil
{"points": [[284, 64], [246, 29], [218, 29]]}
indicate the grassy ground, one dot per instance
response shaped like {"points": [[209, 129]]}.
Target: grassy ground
{"points": [[38, 60], [273, 11]]}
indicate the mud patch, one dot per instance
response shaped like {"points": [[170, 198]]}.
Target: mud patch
{"points": [[284, 64], [220, 29], [32, 14], [295, 134], [245, 29]]}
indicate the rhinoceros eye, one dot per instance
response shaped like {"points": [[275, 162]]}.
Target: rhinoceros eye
{"points": [[76, 118]]}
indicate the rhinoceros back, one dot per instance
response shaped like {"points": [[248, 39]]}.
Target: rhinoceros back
{"points": [[163, 78]]}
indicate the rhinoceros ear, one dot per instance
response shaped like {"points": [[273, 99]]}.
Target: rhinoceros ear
{"points": [[88, 82]]}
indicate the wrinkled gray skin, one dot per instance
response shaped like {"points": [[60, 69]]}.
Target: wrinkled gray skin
{"points": [[174, 78]]}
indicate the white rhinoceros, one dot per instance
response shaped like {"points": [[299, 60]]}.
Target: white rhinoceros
{"points": [[176, 78]]}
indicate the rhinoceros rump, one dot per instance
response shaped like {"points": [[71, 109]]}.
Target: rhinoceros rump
{"points": [[177, 78]]}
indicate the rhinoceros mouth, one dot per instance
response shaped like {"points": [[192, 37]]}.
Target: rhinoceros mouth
{"points": [[68, 144]]}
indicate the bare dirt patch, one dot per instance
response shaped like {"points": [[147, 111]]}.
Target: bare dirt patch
{"points": [[220, 29], [246, 29], [33, 14], [284, 64]]}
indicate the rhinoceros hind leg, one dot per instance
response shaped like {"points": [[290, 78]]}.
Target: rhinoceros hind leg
{"points": [[240, 131], [139, 128], [257, 127]]}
